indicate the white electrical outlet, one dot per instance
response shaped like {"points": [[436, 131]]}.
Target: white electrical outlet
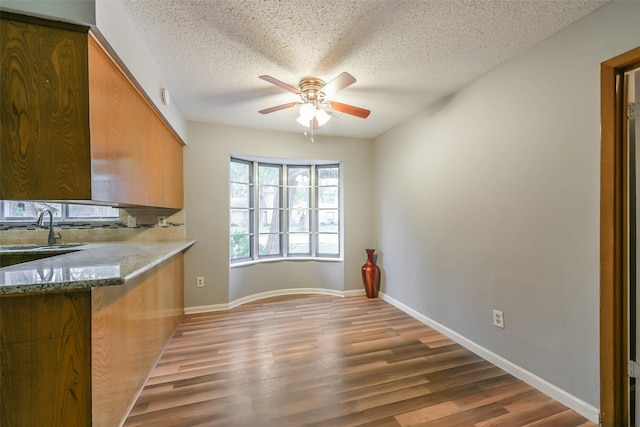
{"points": [[498, 319], [162, 221], [131, 221], [199, 282]]}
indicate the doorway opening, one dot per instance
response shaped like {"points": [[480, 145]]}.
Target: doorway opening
{"points": [[618, 254]]}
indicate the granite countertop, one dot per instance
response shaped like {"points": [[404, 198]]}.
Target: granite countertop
{"points": [[85, 266]]}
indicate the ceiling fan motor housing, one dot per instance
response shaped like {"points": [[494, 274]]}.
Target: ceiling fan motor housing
{"points": [[310, 87]]}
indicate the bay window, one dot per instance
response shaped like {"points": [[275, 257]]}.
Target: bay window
{"points": [[280, 210]]}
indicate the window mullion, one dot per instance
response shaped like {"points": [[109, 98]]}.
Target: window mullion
{"points": [[313, 221], [255, 209], [285, 211]]}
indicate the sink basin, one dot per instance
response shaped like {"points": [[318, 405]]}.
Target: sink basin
{"points": [[11, 255], [30, 247], [18, 258]]}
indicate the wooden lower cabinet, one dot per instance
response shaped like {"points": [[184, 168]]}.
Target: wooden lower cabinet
{"points": [[130, 326], [79, 358], [45, 359]]}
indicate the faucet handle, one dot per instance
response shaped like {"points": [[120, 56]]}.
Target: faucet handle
{"points": [[57, 236], [40, 220]]}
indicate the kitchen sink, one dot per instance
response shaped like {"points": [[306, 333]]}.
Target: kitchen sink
{"points": [[18, 258], [30, 247], [18, 254]]}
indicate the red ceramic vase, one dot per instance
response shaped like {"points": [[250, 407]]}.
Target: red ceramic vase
{"points": [[371, 275]]}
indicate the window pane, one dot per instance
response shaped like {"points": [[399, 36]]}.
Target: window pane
{"points": [[328, 220], [328, 244], [299, 197], [299, 243], [88, 211], [240, 194], [17, 209], [298, 220], [328, 176], [240, 221], [269, 197], [269, 244], [328, 197], [240, 246], [268, 175], [299, 176], [240, 172], [269, 221]]}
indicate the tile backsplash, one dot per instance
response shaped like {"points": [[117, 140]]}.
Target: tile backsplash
{"points": [[146, 229]]}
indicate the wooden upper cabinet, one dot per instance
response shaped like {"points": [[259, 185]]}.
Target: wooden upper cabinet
{"points": [[76, 126], [44, 113]]}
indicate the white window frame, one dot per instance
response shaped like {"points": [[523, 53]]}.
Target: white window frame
{"points": [[60, 215], [254, 231]]}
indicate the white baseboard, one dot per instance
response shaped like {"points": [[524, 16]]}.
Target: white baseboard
{"points": [[583, 408], [206, 308], [281, 292]]}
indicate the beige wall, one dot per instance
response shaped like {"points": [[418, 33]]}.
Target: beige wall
{"points": [[207, 213]]}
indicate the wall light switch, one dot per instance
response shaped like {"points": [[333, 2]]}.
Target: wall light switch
{"points": [[131, 221]]}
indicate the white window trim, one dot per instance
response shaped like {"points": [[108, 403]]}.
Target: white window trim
{"points": [[254, 234]]}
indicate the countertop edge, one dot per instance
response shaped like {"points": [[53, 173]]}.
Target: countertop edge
{"points": [[158, 261], [88, 284]]}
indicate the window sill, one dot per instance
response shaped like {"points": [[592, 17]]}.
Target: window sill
{"points": [[294, 259]]}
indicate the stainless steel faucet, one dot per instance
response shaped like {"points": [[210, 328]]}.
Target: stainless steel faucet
{"points": [[52, 237]]}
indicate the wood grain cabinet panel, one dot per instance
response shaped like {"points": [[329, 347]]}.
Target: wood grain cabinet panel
{"points": [[79, 358], [45, 126], [45, 359], [131, 325], [76, 125]]}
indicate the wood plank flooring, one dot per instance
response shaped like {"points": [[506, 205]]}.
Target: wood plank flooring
{"points": [[329, 361]]}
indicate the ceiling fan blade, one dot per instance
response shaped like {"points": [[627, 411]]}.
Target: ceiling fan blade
{"points": [[350, 109], [337, 84], [281, 84], [278, 108]]}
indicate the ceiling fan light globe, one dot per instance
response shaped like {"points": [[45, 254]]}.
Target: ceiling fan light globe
{"points": [[322, 117], [307, 111], [304, 122]]}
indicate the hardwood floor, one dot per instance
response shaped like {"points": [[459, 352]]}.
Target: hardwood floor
{"points": [[321, 360]]}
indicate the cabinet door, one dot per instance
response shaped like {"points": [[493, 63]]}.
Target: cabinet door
{"points": [[115, 146], [173, 172], [45, 362], [131, 324], [44, 113], [134, 154]]}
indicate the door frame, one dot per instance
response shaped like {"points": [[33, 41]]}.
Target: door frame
{"points": [[614, 292]]}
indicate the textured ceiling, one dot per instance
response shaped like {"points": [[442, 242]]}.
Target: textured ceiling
{"points": [[405, 54]]}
